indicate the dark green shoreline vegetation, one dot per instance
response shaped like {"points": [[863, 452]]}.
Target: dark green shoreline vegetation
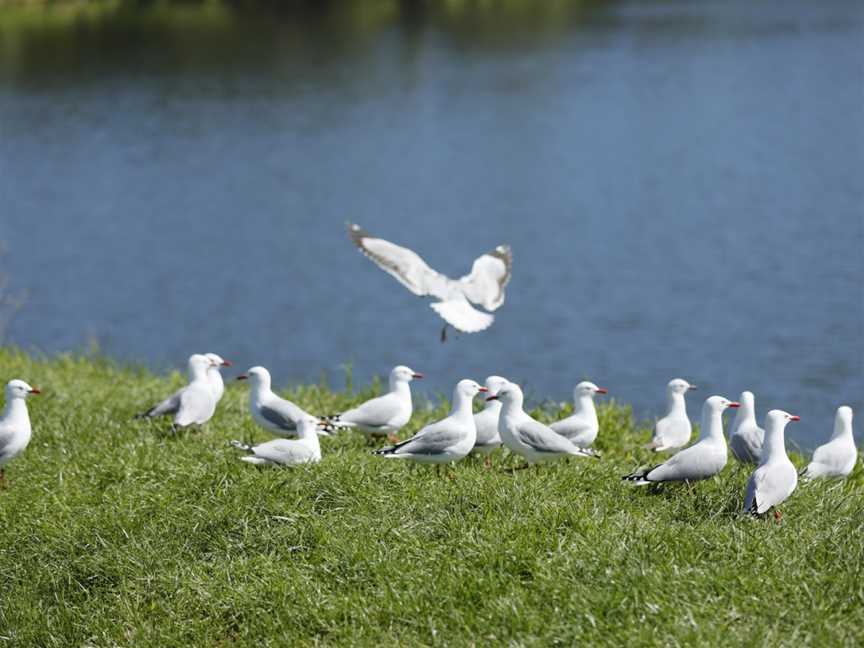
{"points": [[114, 532]]}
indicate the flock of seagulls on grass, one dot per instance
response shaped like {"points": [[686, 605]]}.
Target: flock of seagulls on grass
{"points": [[503, 422]]}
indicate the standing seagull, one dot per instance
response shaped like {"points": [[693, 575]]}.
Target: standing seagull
{"points": [[193, 404], [702, 460], [674, 429], [486, 420], [582, 426], [483, 286], [447, 440], [775, 478], [15, 427], [214, 374], [381, 416], [837, 457], [286, 452], [271, 412], [527, 437], [745, 439]]}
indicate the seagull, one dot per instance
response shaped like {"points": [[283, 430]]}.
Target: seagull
{"points": [[447, 440], [527, 437], [582, 426], [214, 374], [486, 420], [745, 439], [674, 429], [15, 427], [271, 412], [702, 460], [286, 452], [775, 478], [484, 286], [193, 404], [380, 416], [837, 457]]}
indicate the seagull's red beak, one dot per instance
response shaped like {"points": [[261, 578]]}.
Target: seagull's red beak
{"points": [[242, 377], [733, 404], [226, 363], [495, 397], [483, 389], [794, 418], [602, 390], [35, 390], [417, 375], [693, 387]]}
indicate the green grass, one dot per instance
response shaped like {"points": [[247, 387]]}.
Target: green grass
{"points": [[113, 532]]}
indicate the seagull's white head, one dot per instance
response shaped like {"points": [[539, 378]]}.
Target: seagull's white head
{"points": [[509, 393], [217, 361], [257, 376], [778, 419], [747, 400], [844, 415], [198, 364], [19, 389], [494, 383], [586, 388], [469, 389], [679, 386], [719, 404], [404, 374]]}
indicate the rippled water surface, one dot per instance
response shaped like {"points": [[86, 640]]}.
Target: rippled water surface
{"points": [[682, 184]]}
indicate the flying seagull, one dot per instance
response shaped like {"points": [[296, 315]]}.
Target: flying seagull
{"points": [[484, 285]]}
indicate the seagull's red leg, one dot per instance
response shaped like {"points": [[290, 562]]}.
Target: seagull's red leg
{"points": [[777, 516]]}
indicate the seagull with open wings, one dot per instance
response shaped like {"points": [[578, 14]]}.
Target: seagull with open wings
{"points": [[483, 286]]}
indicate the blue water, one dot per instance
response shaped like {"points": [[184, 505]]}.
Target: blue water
{"points": [[682, 184]]}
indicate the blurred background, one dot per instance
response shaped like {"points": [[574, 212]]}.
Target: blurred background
{"points": [[681, 183]]}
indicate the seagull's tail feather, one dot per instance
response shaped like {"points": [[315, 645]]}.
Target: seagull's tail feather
{"points": [[258, 461], [333, 423], [639, 477], [589, 452], [245, 447]]}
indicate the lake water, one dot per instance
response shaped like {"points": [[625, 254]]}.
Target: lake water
{"points": [[682, 184]]}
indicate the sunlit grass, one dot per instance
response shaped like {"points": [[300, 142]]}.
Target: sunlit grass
{"points": [[113, 532]]}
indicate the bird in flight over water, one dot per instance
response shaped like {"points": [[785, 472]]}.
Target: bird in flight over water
{"points": [[483, 286]]}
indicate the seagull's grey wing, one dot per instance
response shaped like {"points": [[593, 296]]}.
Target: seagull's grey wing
{"points": [[434, 439], [489, 276], [831, 455], [168, 406], [283, 451], [7, 433], [771, 485], [278, 418], [570, 426], [543, 439], [462, 316], [404, 264], [373, 413]]}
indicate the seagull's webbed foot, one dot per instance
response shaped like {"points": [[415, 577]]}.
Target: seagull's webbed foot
{"points": [[777, 516], [392, 438], [487, 461]]}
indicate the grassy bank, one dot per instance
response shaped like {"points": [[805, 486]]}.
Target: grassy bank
{"points": [[115, 533]]}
